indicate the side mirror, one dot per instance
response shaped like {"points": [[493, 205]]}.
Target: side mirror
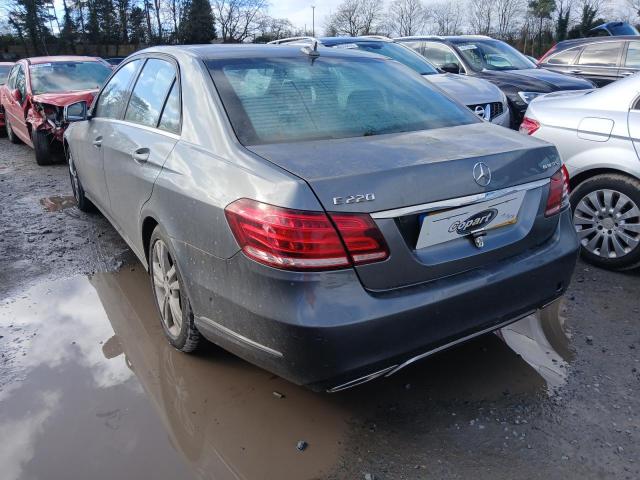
{"points": [[450, 68], [76, 112], [16, 95]]}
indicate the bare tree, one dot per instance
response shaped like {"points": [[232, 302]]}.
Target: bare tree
{"points": [[446, 17], [356, 17], [407, 17], [481, 14], [508, 15], [238, 19]]}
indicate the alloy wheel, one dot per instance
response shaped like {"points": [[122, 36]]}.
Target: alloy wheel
{"points": [[166, 287], [607, 223]]}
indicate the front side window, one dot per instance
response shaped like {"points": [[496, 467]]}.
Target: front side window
{"points": [[114, 94], [293, 99], [440, 54], [55, 77], [11, 82], [21, 83], [633, 55], [492, 55], [150, 92], [601, 54], [564, 58]]}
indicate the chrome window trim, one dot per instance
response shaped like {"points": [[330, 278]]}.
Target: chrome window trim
{"points": [[459, 201]]}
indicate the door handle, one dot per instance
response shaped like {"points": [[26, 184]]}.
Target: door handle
{"points": [[626, 74], [141, 155], [575, 71], [97, 142]]}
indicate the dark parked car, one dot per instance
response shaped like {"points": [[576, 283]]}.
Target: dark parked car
{"points": [[326, 214], [601, 60], [614, 29], [497, 62]]}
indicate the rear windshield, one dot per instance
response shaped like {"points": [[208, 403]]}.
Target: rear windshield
{"points": [[57, 77], [296, 99]]}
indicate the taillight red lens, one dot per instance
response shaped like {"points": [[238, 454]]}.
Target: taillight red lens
{"points": [[558, 192], [303, 240], [529, 126]]}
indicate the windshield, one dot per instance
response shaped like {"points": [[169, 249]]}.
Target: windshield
{"points": [[492, 55], [58, 77], [4, 72], [295, 99], [396, 52]]}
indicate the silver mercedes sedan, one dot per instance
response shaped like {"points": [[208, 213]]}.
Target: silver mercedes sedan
{"points": [[327, 215], [598, 135]]}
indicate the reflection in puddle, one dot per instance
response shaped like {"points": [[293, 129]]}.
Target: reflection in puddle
{"points": [[57, 203], [86, 368]]}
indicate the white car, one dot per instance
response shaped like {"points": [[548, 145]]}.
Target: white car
{"points": [[597, 133]]}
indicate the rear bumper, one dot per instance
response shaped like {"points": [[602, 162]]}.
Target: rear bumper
{"points": [[324, 330]]}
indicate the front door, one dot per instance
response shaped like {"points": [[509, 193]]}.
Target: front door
{"points": [[139, 146]]}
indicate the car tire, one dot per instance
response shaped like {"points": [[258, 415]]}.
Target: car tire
{"points": [[42, 147], [82, 202], [171, 298], [606, 215], [13, 138]]}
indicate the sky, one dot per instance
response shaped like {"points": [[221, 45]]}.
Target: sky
{"points": [[299, 11]]}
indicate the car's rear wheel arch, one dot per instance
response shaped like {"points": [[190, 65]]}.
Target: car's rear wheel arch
{"points": [[148, 225], [576, 180]]}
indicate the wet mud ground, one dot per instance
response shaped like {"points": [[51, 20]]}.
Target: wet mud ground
{"points": [[89, 388]]}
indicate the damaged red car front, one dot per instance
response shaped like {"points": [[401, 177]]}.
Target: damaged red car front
{"points": [[36, 93]]}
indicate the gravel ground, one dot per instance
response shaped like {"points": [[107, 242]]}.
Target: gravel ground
{"points": [[466, 413], [38, 243]]}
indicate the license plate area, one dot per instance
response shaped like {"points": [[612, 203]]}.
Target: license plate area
{"points": [[444, 226]]}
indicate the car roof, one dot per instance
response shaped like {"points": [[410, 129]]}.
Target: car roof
{"points": [[580, 41], [62, 58], [446, 38], [230, 51], [329, 41]]}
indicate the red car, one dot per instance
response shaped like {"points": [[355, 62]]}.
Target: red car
{"points": [[36, 92], [5, 68]]}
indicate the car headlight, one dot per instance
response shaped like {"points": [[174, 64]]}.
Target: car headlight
{"points": [[528, 96]]}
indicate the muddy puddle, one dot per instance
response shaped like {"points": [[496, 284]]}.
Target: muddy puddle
{"points": [[57, 203], [89, 388]]}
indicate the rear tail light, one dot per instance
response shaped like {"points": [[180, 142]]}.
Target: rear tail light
{"points": [[303, 240], [558, 192], [529, 126]]}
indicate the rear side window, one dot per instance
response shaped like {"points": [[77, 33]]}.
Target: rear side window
{"points": [[294, 99], [633, 55], [170, 119], [601, 54], [440, 54], [564, 58], [114, 94], [150, 92]]}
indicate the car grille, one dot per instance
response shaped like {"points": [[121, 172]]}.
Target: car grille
{"points": [[480, 109]]}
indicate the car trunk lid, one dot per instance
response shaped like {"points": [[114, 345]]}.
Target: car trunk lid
{"points": [[378, 174]]}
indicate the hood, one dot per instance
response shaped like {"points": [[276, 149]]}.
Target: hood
{"points": [[467, 90], [536, 80], [407, 168], [63, 99]]}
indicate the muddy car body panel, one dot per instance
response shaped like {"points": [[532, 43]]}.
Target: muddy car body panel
{"points": [[35, 95], [324, 327]]}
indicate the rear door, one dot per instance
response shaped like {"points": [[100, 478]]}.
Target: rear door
{"points": [[631, 62], [599, 62], [141, 142]]}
